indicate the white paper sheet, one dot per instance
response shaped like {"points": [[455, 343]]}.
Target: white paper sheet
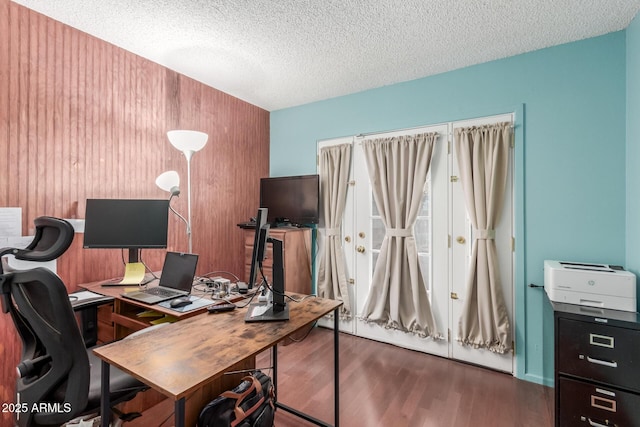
{"points": [[10, 222]]}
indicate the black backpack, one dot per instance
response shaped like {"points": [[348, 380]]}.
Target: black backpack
{"points": [[250, 404]]}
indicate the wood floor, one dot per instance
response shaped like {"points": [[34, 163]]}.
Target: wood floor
{"points": [[383, 385]]}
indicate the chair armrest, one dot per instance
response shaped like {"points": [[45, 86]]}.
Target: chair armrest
{"points": [[79, 305], [86, 303]]}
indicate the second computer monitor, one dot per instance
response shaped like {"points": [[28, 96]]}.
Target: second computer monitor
{"points": [[261, 219]]}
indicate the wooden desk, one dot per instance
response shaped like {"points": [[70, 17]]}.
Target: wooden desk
{"points": [[125, 311], [185, 358]]}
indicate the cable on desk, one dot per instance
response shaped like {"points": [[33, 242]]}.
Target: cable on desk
{"points": [[250, 298], [244, 371], [205, 289], [305, 335], [211, 273], [289, 296]]}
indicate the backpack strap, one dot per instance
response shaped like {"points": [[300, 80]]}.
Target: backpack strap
{"points": [[239, 413]]}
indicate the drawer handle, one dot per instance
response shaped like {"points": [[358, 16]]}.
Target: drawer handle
{"points": [[602, 403], [603, 362], [595, 424], [601, 340]]}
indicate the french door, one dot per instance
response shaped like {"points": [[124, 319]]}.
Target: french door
{"points": [[443, 235], [461, 234]]}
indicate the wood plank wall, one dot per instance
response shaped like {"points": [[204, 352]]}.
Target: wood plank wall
{"points": [[80, 118]]}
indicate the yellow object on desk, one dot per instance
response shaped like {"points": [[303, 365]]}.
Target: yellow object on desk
{"points": [[149, 313], [164, 319], [133, 273]]}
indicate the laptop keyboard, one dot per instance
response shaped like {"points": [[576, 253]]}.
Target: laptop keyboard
{"points": [[162, 292]]}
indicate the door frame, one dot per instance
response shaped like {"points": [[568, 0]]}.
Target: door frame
{"points": [[460, 226], [520, 290]]}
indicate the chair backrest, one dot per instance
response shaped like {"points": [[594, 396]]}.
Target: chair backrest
{"points": [[54, 365], [52, 238]]}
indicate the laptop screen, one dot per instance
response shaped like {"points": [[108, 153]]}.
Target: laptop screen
{"points": [[179, 270]]}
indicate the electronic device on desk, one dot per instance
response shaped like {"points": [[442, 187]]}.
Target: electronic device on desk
{"points": [[243, 288], [592, 285], [277, 309], [176, 280], [179, 302], [261, 220], [131, 224], [291, 200], [247, 225], [221, 308]]}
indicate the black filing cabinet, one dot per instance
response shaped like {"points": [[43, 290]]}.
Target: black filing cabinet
{"points": [[597, 367]]}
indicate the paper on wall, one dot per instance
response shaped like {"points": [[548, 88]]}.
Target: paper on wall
{"points": [[10, 222]]}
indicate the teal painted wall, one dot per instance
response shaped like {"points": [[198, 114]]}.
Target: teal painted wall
{"points": [[633, 148], [570, 156]]}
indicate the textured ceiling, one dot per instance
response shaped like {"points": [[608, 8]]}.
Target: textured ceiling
{"points": [[282, 53]]}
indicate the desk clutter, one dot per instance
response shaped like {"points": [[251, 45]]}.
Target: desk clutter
{"points": [[196, 303], [155, 317]]}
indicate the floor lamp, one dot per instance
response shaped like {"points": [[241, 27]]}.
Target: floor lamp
{"points": [[170, 181], [187, 141]]}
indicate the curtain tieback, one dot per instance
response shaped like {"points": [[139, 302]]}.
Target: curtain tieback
{"points": [[487, 234], [399, 232], [332, 231]]}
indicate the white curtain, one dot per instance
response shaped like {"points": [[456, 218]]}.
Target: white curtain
{"points": [[335, 162], [398, 168], [483, 160]]}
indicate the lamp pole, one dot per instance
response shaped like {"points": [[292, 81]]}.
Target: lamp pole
{"points": [[188, 141], [188, 154]]}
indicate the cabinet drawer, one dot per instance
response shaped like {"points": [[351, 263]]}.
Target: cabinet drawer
{"points": [[585, 404], [599, 352]]}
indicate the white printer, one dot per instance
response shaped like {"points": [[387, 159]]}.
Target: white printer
{"points": [[593, 285]]}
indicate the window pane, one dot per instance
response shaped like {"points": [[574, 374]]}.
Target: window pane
{"points": [[424, 204], [378, 232], [374, 207], [422, 231]]}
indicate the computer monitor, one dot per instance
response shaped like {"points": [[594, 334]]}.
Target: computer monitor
{"points": [[291, 199], [261, 251], [261, 219], [277, 309], [130, 224]]}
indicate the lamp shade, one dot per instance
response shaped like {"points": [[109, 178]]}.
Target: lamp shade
{"points": [[187, 140], [168, 181]]}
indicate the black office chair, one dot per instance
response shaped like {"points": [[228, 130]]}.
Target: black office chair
{"points": [[57, 374]]}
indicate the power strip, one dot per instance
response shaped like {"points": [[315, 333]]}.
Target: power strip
{"points": [[221, 283]]}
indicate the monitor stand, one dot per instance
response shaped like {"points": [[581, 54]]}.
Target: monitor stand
{"points": [[133, 255], [278, 308], [264, 312]]}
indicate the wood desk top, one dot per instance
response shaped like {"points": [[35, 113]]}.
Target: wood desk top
{"points": [[117, 291], [182, 357]]}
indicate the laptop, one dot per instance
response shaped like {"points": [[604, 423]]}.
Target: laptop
{"points": [[176, 280]]}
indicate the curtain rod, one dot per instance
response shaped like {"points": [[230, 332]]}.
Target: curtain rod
{"points": [[363, 135]]}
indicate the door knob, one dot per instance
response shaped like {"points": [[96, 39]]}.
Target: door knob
{"points": [[461, 240], [360, 249]]}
